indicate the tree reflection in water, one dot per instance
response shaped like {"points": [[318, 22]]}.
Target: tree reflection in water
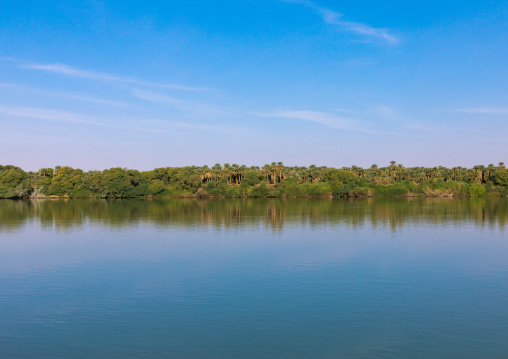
{"points": [[271, 213]]}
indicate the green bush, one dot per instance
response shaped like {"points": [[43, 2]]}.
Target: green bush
{"points": [[251, 178], [476, 190], [14, 182], [412, 187], [361, 192], [462, 189], [210, 186], [172, 191], [259, 191], [82, 193], [65, 181], [289, 188], [341, 182], [316, 189], [501, 177], [156, 187], [397, 190]]}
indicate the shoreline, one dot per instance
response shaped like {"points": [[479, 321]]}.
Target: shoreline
{"points": [[150, 197]]}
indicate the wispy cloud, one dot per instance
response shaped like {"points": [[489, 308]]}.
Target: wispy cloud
{"points": [[183, 105], [63, 95], [484, 110], [323, 118], [315, 116], [91, 99], [67, 70], [364, 29], [385, 111], [63, 116], [72, 117], [335, 18], [380, 111], [439, 128], [422, 127], [159, 98]]}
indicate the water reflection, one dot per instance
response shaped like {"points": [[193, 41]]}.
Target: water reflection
{"points": [[274, 214], [391, 278]]}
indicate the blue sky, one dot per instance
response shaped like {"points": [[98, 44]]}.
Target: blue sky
{"points": [[97, 84]]}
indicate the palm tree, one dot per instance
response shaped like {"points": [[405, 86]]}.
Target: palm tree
{"points": [[235, 173], [267, 171], [216, 170], [241, 173], [205, 173], [226, 172]]}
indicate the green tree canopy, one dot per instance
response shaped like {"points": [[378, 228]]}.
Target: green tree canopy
{"points": [[341, 181], [13, 182], [501, 177]]}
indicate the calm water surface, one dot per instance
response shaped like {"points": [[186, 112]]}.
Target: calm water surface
{"points": [[425, 278]]}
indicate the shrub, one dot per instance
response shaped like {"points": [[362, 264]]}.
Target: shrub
{"points": [[251, 178], [501, 177], [396, 190], [476, 190], [259, 191], [81, 192], [13, 182], [156, 187], [341, 182], [316, 189]]}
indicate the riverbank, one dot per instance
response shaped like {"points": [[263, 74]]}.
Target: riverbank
{"points": [[273, 181], [432, 194]]}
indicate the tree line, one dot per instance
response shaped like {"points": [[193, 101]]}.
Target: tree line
{"points": [[271, 180]]}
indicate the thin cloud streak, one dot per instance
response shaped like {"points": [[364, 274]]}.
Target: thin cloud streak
{"points": [[322, 118], [381, 111], [368, 30], [159, 98], [335, 18], [179, 104], [418, 126], [314, 116], [484, 110], [64, 95], [71, 117], [63, 116], [67, 70]]}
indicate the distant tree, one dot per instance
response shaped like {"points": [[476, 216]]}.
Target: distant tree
{"points": [[96, 180], [14, 182], [115, 182], [260, 191], [193, 182], [476, 190], [341, 181], [219, 180], [251, 178], [138, 184], [187, 178], [65, 180], [501, 177], [156, 187]]}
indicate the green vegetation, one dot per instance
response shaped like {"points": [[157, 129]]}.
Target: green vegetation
{"points": [[270, 181], [13, 182]]}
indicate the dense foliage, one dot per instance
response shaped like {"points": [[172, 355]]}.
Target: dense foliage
{"points": [[271, 180]]}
